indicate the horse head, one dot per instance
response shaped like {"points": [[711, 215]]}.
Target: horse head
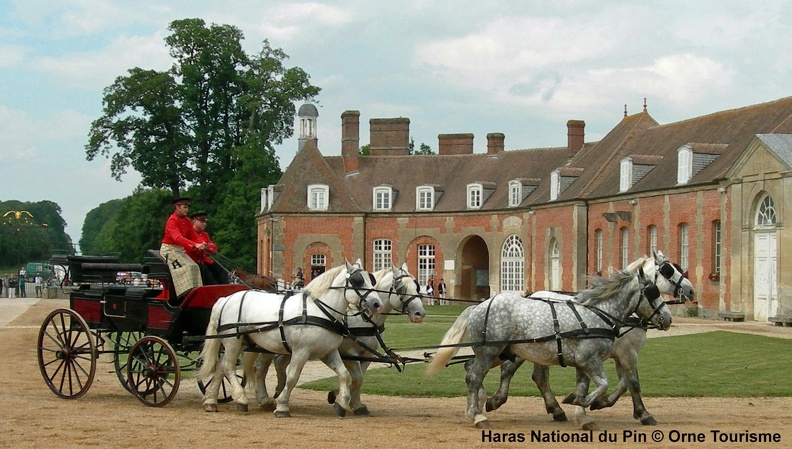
{"points": [[671, 277], [407, 297], [361, 283]]}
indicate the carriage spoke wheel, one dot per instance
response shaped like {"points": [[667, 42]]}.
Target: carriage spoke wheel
{"points": [[224, 394], [66, 354], [153, 371], [122, 343]]}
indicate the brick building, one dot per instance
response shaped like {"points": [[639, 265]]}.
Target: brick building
{"points": [[711, 192]]}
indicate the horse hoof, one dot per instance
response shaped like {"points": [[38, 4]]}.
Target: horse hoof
{"points": [[569, 399], [242, 407], [281, 414], [489, 406], [560, 417], [362, 411], [482, 423], [648, 421], [331, 397], [268, 407], [598, 405], [588, 425], [210, 407], [339, 410]]}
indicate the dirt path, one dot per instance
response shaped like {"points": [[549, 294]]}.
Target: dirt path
{"points": [[107, 416]]}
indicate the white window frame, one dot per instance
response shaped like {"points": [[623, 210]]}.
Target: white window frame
{"points": [[717, 235], [382, 198], [426, 263], [651, 239], [424, 198], [512, 273], [598, 240], [624, 235], [318, 196], [515, 193], [383, 254], [318, 260], [684, 245], [475, 193], [766, 216], [555, 184], [625, 174], [684, 164]]}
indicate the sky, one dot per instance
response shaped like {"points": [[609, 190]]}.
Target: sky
{"points": [[521, 68]]}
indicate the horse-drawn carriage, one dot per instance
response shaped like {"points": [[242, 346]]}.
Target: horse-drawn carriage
{"points": [[151, 334]]}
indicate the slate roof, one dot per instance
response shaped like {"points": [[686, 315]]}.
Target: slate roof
{"points": [[591, 173]]}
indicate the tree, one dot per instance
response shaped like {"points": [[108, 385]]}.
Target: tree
{"points": [[208, 127], [424, 150], [31, 232]]}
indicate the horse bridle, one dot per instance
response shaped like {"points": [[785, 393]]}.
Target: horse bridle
{"points": [[669, 271], [355, 282], [396, 289], [650, 292]]}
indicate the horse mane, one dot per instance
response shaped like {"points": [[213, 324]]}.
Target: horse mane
{"points": [[602, 288], [633, 267], [321, 284]]}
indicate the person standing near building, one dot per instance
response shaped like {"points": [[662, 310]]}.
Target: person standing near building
{"points": [[39, 284], [179, 241], [430, 290], [12, 286], [211, 271], [441, 291], [22, 281]]}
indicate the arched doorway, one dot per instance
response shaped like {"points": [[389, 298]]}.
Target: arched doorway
{"points": [[474, 276], [765, 260]]}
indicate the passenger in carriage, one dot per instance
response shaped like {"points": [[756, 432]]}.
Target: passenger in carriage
{"points": [[179, 241], [211, 271]]}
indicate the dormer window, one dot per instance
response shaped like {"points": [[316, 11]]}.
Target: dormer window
{"points": [[383, 198], [515, 193], [625, 174], [424, 198], [684, 164], [555, 184], [474, 196], [318, 195]]}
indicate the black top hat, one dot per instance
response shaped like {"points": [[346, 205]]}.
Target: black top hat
{"points": [[198, 216], [181, 199]]}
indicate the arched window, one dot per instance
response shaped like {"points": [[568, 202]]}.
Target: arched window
{"points": [[555, 265], [766, 214], [382, 254], [684, 245], [598, 240], [684, 164], [512, 265], [624, 237], [651, 240]]}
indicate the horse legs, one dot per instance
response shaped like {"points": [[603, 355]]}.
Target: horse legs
{"points": [[226, 368], [281, 362], [262, 364], [357, 370], [293, 371], [508, 368], [541, 377], [579, 414], [474, 379], [333, 361]]}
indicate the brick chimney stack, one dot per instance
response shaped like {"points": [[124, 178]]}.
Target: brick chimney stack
{"points": [[455, 143], [389, 136], [495, 143], [350, 140], [575, 135]]}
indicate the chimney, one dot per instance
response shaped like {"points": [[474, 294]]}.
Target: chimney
{"points": [[495, 143], [575, 135], [350, 140], [389, 136], [455, 143]]}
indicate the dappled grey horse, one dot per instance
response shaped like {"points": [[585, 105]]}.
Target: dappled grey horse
{"points": [[625, 349], [568, 333]]}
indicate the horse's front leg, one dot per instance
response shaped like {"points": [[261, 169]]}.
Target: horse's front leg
{"points": [[501, 395], [629, 377], [293, 371], [262, 364], [281, 362], [541, 377], [595, 371], [581, 390], [333, 361], [474, 379]]}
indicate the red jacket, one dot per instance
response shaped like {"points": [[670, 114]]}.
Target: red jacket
{"points": [[203, 256], [180, 231]]}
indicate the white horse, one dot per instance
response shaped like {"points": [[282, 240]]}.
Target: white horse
{"points": [[545, 332], [403, 295], [307, 325], [625, 351]]}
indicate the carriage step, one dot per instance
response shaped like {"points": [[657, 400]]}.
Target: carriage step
{"points": [[781, 320], [732, 316]]}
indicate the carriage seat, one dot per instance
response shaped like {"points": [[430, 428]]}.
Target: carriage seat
{"points": [[205, 297]]}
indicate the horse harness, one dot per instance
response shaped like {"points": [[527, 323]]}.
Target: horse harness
{"points": [[649, 291]]}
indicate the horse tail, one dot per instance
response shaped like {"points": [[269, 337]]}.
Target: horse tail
{"points": [[449, 346], [210, 353]]}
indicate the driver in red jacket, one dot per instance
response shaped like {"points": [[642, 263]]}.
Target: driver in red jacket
{"points": [[179, 241]]}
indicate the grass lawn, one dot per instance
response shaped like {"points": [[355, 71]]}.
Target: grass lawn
{"points": [[719, 364]]}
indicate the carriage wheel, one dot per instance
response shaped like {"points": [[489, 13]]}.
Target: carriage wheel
{"points": [[66, 354], [153, 371], [122, 343]]}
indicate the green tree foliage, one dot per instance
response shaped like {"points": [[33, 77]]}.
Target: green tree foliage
{"points": [[206, 128], [97, 231], [31, 232], [423, 150]]}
